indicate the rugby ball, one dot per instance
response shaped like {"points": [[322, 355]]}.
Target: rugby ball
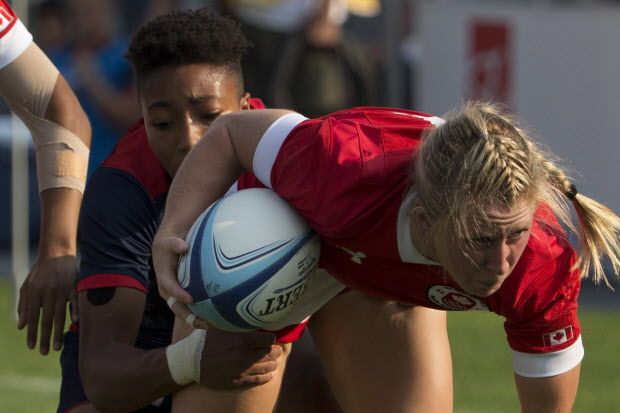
{"points": [[251, 258]]}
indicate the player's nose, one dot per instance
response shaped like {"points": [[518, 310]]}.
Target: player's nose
{"points": [[497, 260], [190, 135]]}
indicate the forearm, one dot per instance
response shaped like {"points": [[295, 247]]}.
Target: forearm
{"points": [[213, 165], [206, 173], [60, 130], [123, 377], [554, 394], [65, 110], [60, 210]]}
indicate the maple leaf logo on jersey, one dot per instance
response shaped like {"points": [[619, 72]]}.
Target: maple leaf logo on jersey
{"points": [[558, 337], [452, 299], [356, 257]]}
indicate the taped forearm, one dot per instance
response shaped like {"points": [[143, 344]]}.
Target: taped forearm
{"points": [[28, 84], [62, 157]]}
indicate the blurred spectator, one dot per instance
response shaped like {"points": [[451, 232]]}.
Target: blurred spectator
{"points": [[48, 25], [136, 12], [91, 59], [302, 57]]}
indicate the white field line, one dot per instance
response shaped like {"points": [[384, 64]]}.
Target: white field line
{"points": [[16, 382], [474, 411]]}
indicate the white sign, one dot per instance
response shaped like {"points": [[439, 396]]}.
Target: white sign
{"points": [[557, 67]]}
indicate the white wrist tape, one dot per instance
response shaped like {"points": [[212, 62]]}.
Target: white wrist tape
{"points": [[184, 358]]}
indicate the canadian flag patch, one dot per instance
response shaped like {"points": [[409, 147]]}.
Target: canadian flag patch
{"points": [[558, 337]]}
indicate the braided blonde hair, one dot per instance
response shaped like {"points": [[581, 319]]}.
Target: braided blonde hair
{"points": [[480, 157]]}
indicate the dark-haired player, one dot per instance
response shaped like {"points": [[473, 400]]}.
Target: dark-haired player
{"points": [[188, 72]]}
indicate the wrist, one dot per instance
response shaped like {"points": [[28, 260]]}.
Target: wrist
{"points": [[60, 209], [57, 246]]}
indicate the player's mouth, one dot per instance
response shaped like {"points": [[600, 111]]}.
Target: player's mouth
{"points": [[487, 287]]}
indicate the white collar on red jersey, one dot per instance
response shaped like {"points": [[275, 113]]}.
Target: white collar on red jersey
{"points": [[407, 250]]}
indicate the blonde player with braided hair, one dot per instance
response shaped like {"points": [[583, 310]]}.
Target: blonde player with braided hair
{"points": [[418, 215], [504, 162]]}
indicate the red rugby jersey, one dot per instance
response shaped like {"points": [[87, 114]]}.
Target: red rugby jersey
{"points": [[347, 174]]}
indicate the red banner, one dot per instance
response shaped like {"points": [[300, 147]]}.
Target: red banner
{"points": [[490, 61]]}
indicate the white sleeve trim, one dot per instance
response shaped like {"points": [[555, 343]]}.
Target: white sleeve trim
{"points": [[270, 144], [548, 364], [13, 43]]}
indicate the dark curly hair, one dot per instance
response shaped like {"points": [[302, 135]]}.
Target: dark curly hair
{"points": [[184, 37]]}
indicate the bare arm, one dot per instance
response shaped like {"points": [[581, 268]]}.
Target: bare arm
{"points": [[65, 110], [209, 170], [554, 394], [107, 354], [49, 284]]}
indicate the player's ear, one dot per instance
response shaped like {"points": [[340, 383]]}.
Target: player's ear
{"points": [[423, 227], [419, 216], [244, 103], [421, 219]]}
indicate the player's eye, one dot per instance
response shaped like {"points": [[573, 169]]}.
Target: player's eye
{"points": [[209, 116], [481, 241], [161, 125], [518, 234]]}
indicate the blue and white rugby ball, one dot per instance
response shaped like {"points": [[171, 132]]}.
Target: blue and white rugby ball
{"points": [[251, 258]]}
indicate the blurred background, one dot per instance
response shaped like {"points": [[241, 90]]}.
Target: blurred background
{"points": [[553, 62]]}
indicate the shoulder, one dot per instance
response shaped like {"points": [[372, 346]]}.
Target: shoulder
{"points": [[365, 133], [386, 116], [257, 103], [116, 203], [133, 156], [14, 37]]}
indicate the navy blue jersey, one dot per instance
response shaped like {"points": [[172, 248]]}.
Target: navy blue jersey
{"points": [[121, 210], [122, 207]]}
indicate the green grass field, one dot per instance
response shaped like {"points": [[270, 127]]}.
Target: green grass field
{"points": [[483, 380], [482, 363], [29, 382]]}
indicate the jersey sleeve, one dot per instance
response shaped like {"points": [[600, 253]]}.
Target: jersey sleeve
{"points": [[118, 222], [543, 328], [14, 36], [293, 158], [335, 169]]}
